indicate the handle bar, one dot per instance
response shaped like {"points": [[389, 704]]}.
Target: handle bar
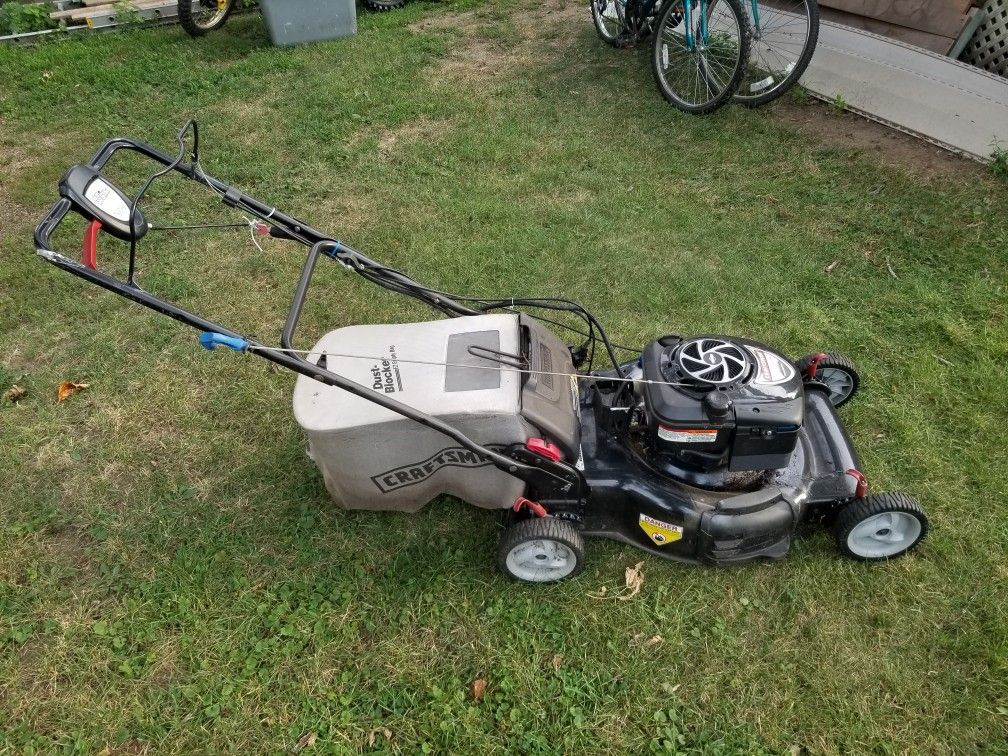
{"points": [[547, 478]]}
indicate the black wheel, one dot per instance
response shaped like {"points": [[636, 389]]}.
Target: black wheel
{"points": [[610, 20], [880, 526], [700, 77], [541, 550], [198, 17], [835, 372], [383, 5], [780, 48]]}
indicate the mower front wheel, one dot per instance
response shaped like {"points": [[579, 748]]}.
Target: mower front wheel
{"points": [[541, 550], [880, 526], [836, 372]]}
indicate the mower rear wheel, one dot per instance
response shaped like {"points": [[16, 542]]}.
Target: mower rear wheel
{"points": [[541, 550], [837, 373], [880, 526]]}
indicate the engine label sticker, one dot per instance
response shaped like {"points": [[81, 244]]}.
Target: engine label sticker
{"points": [[661, 533], [687, 435], [408, 475]]}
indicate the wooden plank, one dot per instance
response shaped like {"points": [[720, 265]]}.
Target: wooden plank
{"points": [[68, 13], [941, 17], [83, 14], [933, 42]]}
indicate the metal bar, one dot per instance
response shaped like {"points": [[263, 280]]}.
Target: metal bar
{"points": [[545, 477]]}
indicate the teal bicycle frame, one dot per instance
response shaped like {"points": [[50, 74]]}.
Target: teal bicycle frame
{"points": [[649, 10]]}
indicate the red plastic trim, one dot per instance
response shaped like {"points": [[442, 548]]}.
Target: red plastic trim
{"points": [[89, 253], [532, 506], [544, 448], [862, 482], [813, 366]]}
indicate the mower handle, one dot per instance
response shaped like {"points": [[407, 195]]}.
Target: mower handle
{"points": [[548, 478]]}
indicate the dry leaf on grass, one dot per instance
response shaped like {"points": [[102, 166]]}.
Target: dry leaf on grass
{"points": [[307, 740], [68, 388], [14, 393], [832, 266], [372, 735], [634, 579], [639, 641], [478, 689]]}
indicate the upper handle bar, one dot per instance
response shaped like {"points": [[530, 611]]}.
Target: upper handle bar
{"points": [[546, 476]]}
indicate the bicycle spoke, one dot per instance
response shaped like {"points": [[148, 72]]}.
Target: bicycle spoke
{"points": [[782, 44]]}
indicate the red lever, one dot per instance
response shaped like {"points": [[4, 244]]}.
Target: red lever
{"points": [[532, 506], [862, 482], [813, 366], [544, 448], [89, 254]]}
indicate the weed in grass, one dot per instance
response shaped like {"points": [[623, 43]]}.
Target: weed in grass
{"points": [[999, 161]]}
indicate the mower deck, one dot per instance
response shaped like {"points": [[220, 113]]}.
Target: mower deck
{"points": [[634, 502]]}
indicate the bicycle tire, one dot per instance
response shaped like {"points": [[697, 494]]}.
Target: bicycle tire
{"points": [[597, 16], [719, 76], [380, 6], [763, 52], [193, 26]]}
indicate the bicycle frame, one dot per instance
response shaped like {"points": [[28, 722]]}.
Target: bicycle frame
{"points": [[755, 15], [546, 478], [649, 9]]}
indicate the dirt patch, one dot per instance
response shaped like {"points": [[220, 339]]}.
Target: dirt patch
{"points": [[70, 547], [345, 213], [15, 159], [832, 129], [414, 132], [246, 120], [488, 45]]}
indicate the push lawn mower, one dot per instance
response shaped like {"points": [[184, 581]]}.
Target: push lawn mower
{"points": [[703, 448]]}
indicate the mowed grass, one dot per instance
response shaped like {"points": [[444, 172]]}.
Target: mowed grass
{"points": [[173, 577]]}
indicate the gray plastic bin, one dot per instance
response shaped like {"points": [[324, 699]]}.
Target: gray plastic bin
{"points": [[291, 22]]}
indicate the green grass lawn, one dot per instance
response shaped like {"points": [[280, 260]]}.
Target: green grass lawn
{"points": [[173, 577]]}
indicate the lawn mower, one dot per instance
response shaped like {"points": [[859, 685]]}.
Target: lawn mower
{"points": [[701, 448]]}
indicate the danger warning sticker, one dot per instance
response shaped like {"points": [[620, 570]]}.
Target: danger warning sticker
{"points": [[687, 435], [660, 532]]}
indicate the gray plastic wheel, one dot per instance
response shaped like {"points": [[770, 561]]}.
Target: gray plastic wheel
{"points": [[541, 550], [880, 526]]}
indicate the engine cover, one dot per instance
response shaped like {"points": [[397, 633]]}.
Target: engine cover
{"points": [[721, 403]]}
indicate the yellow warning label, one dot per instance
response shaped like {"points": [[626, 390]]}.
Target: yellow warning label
{"points": [[660, 532]]}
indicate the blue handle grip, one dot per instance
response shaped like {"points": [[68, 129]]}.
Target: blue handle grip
{"points": [[210, 340]]}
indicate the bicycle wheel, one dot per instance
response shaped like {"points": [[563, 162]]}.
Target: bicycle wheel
{"points": [[784, 36], [198, 17], [701, 77], [609, 18]]}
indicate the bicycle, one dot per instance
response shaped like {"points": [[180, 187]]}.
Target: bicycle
{"points": [[700, 48], [784, 36], [198, 17]]}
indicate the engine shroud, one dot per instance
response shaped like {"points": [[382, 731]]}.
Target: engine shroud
{"points": [[721, 403]]}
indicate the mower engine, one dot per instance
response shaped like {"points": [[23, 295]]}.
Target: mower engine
{"points": [[713, 403]]}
